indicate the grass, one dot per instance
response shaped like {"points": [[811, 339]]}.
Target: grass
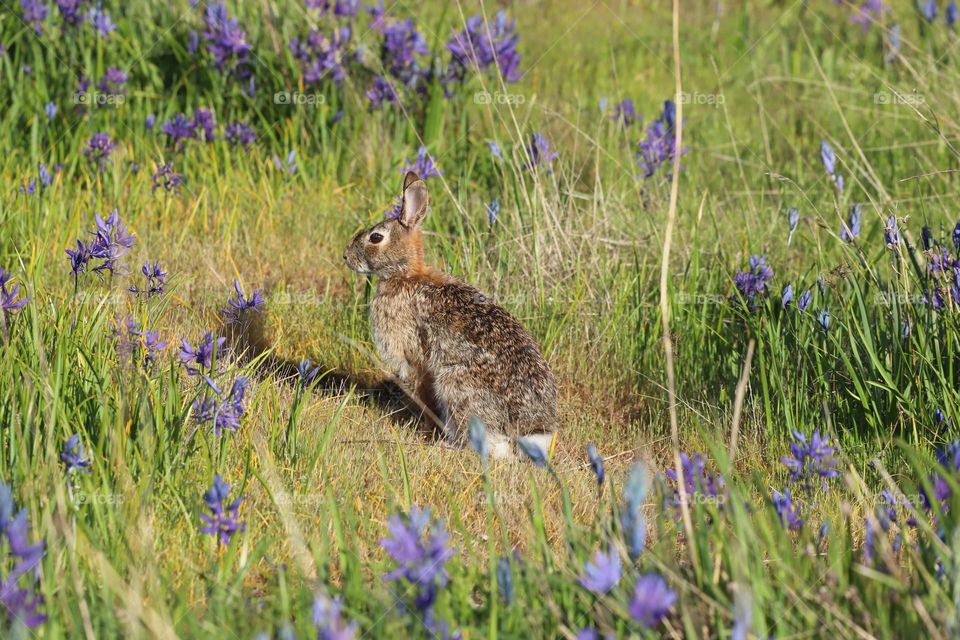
{"points": [[574, 254]]}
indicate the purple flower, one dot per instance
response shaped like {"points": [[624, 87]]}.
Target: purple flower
{"points": [[9, 303], [322, 56], [603, 573], [111, 241], [34, 13], [382, 92], [79, 258], [423, 165], [928, 9], [178, 130], [787, 510], [697, 481], [166, 178], [811, 460], [659, 146], [288, 166], [478, 438], [101, 22], [139, 348], [73, 456], [201, 359], [497, 153], [505, 580], [823, 317], [225, 39], [786, 296], [402, 44], [71, 12], [828, 158], [421, 557], [631, 512], [596, 461], [804, 300], [481, 45], [113, 81], [951, 13], [851, 229], [224, 412], [203, 120], [752, 284], [156, 280], [624, 113], [240, 133], [533, 451], [306, 371], [18, 601], [237, 309], [868, 12], [539, 154], [891, 232], [222, 521], [44, 179], [150, 121], [493, 210], [652, 600], [50, 110], [793, 219], [98, 149], [328, 619]]}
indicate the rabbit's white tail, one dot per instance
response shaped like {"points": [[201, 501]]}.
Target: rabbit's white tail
{"points": [[545, 441]]}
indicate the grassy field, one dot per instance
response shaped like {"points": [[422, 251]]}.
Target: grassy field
{"points": [[856, 537]]}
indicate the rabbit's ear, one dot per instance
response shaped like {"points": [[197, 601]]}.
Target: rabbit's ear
{"points": [[415, 201]]}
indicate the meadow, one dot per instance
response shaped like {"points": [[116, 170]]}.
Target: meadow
{"points": [[730, 226]]}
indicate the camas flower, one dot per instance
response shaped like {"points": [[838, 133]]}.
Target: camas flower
{"points": [[478, 438], [829, 160], [624, 113], [481, 46], [505, 580], [868, 12], [223, 412], [631, 512], [402, 46], [101, 22], [539, 154], [111, 241], [288, 166], [891, 232], [421, 557], [306, 372], [203, 120], [793, 219], [804, 300], [200, 360], [237, 308], [73, 456], [951, 13], [752, 284], [328, 619], [928, 9], [323, 56], [166, 178], [787, 510], [811, 460], [98, 149], [71, 12], [50, 110], [178, 130], [423, 165], [823, 318], [10, 302], [659, 146], [135, 346], [786, 296], [603, 573], [851, 229], [222, 521], [225, 39], [18, 601], [113, 81], [697, 481], [596, 462], [34, 13], [652, 600], [156, 280], [240, 133], [382, 92]]}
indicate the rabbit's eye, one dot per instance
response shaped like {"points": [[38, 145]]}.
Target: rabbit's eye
{"points": [[376, 238]]}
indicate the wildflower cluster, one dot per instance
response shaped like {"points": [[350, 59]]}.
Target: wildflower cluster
{"points": [[222, 411], [752, 284], [19, 602], [222, 520], [659, 147], [111, 241], [139, 348]]}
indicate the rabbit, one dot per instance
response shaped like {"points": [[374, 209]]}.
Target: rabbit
{"points": [[456, 350]]}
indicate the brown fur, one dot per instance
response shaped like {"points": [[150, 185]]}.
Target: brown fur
{"points": [[457, 350]]}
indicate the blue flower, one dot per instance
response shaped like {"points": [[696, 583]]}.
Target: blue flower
{"points": [[240, 133], [478, 438], [851, 229], [223, 412], [652, 600], [539, 154], [18, 600], [786, 296], [73, 456], [156, 280], [222, 521], [787, 510], [505, 580], [793, 218], [928, 9], [423, 165], [811, 460], [891, 232], [382, 92], [202, 358], [328, 619], [804, 300], [631, 512], [306, 372], [497, 153], [625, 113], [823, 317], [421, 557], [752, 284], [483, 45], [237, 309], [533, 451], [596, 461], [98, 149], [493, 210], [34, 13], [166, 178], [951, 13], [659, 146], [288, 166], [603, 573], [50, 109], [101, 22], [10, 302]]}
